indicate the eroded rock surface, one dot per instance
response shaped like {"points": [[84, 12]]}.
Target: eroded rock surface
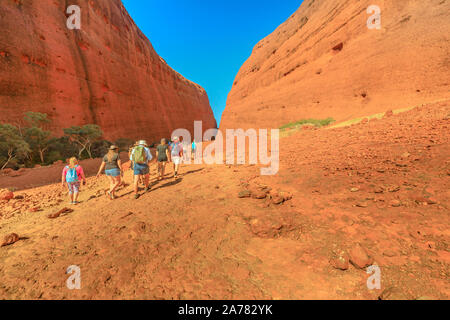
{"points": [[105, 73]]}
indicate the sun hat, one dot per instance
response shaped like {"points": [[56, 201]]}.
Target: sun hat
{"points": [[143, 143], [113, 147]]}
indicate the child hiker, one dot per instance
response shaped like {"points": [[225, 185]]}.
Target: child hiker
{"points": [[72, 175]]}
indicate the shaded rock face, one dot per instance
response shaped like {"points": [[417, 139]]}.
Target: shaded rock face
{"points": [[325, 62], [105, 73]]}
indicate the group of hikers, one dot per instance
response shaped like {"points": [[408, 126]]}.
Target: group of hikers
{"points": [[141, 158]]}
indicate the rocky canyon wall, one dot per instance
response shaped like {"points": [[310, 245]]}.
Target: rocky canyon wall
{"points": [[106, 73], [324, 61]]}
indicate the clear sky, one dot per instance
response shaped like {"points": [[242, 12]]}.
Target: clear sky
{"points": [[207, 41]]}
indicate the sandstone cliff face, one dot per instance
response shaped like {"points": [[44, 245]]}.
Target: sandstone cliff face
{"points": [[106, 73], [325, 62]]}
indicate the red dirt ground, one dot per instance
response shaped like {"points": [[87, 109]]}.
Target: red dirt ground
{"points": [[383, 185]]}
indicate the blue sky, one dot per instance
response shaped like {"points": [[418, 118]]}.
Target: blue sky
{"points": [[207, 41]]}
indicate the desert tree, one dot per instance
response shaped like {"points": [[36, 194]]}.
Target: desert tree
{"points": [[84, 137], [37, 137], [12, 145]]}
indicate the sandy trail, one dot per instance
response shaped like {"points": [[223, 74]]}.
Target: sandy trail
{"points": [[384, 185]]}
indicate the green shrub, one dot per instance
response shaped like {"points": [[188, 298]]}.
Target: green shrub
{"points": [[315, 122]]}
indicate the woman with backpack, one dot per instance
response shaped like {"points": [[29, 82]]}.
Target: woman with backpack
{"points": [[141, 157], [113, 170], [71, 175]]}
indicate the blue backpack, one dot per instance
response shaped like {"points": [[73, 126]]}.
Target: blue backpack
{"points": [[72, 175]]}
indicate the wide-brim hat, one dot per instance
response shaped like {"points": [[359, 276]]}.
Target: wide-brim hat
{"points": [[143, 143], [113, 147]]}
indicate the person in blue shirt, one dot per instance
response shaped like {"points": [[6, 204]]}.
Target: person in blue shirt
{"points": [[194, 150]]}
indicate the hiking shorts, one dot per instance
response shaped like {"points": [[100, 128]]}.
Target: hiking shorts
{"points": [[141, 169], [74, 187], [176, 160], [113, 172]]}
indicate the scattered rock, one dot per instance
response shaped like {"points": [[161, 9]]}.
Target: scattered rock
{"points": [[7, 171], [244, 194], [59, 213], [340, 260], [393, 188], [258, 194], [6, 195], [392, 294], [379, 189], [389, 253], [277, 199], [280, 197], [425, 201], [10, 239], [362, 205], [354, 189], [405, 155], [389, 114], [359, 257], [396, 203]]}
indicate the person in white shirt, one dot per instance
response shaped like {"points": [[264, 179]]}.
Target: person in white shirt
{"points": [[176, 153]]}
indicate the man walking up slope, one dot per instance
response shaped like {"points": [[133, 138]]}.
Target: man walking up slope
{"points": [[141, 157]]}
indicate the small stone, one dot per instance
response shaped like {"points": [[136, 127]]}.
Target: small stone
{"points": [[340, 260], [277, 199], [389, 114], [405, 155], [396, 203], [244, 194], [10, 239], [6, 195], [389, 253], [359, 257], [362, 205], [393, 188], [354, 189], [378, 190], [59, 213], [258, 194]]}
